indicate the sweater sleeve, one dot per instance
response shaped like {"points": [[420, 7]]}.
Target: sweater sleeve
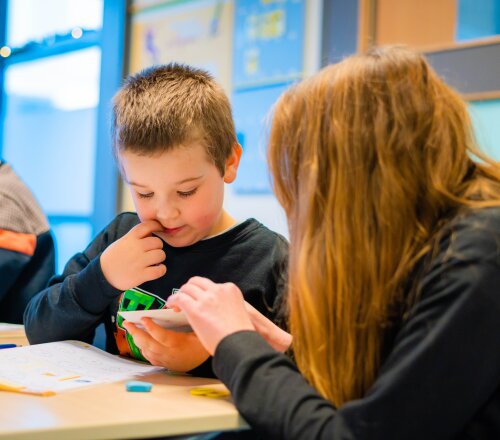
{"points": [[72, 305], [442, 368]]}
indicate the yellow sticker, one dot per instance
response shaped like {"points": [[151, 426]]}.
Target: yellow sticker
{"points": [[209, 392]]}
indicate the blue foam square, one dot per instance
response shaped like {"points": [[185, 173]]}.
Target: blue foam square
{"points": [[136, 386]]}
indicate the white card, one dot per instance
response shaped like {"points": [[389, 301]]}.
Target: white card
{"points": [[166, 318]]}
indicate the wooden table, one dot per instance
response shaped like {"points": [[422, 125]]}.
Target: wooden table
{"points": [[14, 335], [109, 411]]}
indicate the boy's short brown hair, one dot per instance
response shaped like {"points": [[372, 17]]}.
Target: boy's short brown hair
{"points": [[163, 107]]}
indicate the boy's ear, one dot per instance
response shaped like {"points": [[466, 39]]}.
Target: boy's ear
{"points": [[232, 163]]}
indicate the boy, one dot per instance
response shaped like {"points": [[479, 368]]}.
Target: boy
{"points": [[27, 255], [175, 144]]}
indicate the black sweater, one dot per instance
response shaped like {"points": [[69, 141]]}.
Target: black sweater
{"points": [[74, 303], [439, 380]]}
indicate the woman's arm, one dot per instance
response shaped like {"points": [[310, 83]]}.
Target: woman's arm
{"points": [[444, 367]]}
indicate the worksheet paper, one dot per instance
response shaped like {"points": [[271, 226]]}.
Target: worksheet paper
{"points": [[9, 328], [59, 366]]}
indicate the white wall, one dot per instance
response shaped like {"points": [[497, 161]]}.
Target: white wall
{"points": [[266, 209]]}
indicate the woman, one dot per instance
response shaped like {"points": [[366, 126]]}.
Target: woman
{"points": [[394, 275]]}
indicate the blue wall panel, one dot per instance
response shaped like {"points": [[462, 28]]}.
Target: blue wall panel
{"points": [[477, 19]]}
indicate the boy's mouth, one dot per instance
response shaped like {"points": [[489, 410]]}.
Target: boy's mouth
{"points": [[172, 231]]}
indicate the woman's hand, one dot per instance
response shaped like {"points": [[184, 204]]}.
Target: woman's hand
{"points": [[214, 311], [276, 337], [176, 351]]}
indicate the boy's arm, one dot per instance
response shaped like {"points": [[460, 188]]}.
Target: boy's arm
{"points": [[72, 305]]}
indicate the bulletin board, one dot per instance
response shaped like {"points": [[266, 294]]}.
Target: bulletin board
{"points": [[268, 42], [477, 19], [252, 116], [196, 32], [268, 57], [486, 119]]}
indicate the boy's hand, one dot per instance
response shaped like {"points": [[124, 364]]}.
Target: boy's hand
{"points": [[135, 258], [176, 351]]}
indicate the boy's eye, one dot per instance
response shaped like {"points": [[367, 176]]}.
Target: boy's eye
{"points": [[145, 196], [187, 193]]}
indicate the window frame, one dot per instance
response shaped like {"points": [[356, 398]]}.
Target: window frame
{"points": [[112, 41]]}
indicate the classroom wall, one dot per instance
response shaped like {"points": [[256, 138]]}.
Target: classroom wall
{"points": [[461, 40]]}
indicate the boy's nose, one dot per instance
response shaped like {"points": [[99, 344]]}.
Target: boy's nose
{"points": [[167, 213]]}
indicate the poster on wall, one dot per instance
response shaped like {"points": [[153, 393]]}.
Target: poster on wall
{"points": [[195, 32], [252, 116], [268, 42], [477, 19], [268, 56]]}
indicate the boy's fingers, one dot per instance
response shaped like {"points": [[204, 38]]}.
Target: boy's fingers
{"points": [[157, 332], [155, 256], [150, 243], [146, 228], [154, 272], [132, 329], [141, 338]]}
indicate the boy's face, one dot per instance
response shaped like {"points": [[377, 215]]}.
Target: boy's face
{"points": [[182, 189]]}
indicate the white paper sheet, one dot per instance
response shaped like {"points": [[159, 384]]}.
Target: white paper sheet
{"points": [[6, 327], [59, 366]]}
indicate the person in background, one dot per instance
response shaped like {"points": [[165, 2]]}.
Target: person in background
{"points": [[27, 253], [176, 147], [394, 274]]}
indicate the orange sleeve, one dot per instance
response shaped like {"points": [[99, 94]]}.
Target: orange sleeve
{"points": [[15, 241]]}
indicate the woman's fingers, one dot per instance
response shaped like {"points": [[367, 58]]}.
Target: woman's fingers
{"points": [[192, 290], [183, 300], [202, 283]]}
